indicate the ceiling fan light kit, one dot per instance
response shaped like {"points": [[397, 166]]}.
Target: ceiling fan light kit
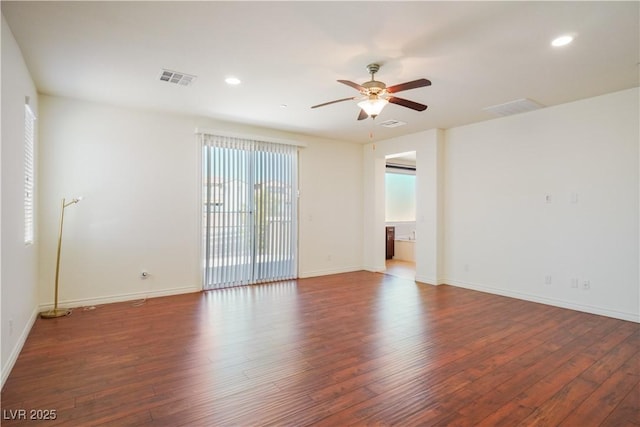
{"points": [[373, 105], [377, 95]]}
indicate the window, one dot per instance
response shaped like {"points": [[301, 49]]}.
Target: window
{"points": [[250, 215], [400, 197], [29, 140]]}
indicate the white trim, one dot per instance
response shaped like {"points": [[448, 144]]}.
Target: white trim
{"points": [[13, 357], [632, 317], [326, 272], [201, 207], [433, 281], [375, 269], [260, 138], [120, 298], [427, 280]]}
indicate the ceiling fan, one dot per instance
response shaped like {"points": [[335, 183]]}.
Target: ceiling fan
{"points": [[375, 95]]}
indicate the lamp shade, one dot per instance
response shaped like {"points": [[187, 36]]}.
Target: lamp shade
{"points": [[373, 105]]}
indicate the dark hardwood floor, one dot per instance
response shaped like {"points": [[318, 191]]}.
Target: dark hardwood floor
{"points": [[350, 349], [400, 268]]}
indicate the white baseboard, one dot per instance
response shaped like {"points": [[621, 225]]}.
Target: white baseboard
{"points": [[120, 298], [316, 273], [13, 357], [427, 280], [632, 317], [375, 269]]}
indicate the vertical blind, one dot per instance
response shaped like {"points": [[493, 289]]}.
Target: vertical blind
{"points": [[29, 140], [249, 211]]}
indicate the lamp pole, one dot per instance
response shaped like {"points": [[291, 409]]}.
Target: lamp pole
{"points": [[59, 312]]}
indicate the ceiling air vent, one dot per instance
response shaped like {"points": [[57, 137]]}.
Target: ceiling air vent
{"points": [[175, 77], [513, 107], [392, 123]]}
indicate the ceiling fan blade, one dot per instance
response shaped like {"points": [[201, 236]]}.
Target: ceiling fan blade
{"points": [[333, 102], [406, 103], [409, 85], [352, 84], [363, 115]]}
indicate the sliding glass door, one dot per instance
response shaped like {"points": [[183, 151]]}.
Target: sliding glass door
{"points": [[249, 211]]}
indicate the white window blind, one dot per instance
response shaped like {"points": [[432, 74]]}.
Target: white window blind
{"points": [[29, 174], [249, 211]]}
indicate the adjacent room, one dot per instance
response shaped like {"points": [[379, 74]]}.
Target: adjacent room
{"points": [[320, 213], [400, 214]]}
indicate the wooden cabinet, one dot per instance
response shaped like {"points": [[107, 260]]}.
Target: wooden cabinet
{"points": [[390, 234]]}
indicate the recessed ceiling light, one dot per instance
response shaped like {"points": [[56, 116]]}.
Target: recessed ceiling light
{"points": [[562, 41], [232, 81]]}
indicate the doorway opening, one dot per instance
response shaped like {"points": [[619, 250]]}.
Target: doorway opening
{"points": [[400, 214]]}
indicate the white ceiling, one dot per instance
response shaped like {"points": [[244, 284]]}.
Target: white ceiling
{"points": [[476, 54]]}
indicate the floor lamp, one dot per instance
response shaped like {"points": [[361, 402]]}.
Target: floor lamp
{"points": [[55, 311]]}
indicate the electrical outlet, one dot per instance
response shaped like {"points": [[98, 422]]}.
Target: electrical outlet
{"points": [[586, 285], [547, 279], [574, 283]]}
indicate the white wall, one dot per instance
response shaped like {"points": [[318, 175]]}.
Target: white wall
{"points": [[482, 217], [331, 208], [139, 173], [18, 262], [503, 237]]}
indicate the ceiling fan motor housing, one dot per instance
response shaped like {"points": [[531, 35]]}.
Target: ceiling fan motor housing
{"points": [[373, 87]]}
